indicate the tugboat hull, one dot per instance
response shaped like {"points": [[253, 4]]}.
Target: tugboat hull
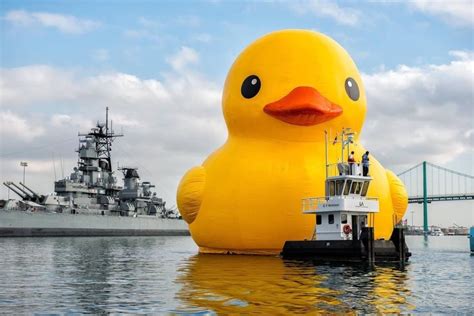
{"points": [[350, 250]]}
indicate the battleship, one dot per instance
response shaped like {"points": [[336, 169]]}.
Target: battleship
{"points": [[90, 202]]}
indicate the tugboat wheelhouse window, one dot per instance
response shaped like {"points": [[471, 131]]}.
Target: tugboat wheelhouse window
{"points": [[331, 218], [347, 187], [356, 186], [365, 188], [339, 186], [343, 218], [318, 220], [353, 187], [331, 188]]}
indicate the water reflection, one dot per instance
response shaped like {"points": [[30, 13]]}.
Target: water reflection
{"points": [[109, 274], [87, 274], [270, 285]]}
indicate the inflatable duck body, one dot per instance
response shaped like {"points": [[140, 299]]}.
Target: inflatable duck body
{"points": [[280, 96]]}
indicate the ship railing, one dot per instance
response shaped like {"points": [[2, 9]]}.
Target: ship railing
{"points": [[311, 204], [344, 168]]}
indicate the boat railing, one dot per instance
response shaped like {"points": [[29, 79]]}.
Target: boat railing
{"points": [[344, 168], [311, 204]]}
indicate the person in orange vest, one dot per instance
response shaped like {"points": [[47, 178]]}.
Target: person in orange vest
{"points": [[351, 162]]}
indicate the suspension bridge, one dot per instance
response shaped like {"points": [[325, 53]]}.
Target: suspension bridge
{"points": [[427, 183]]}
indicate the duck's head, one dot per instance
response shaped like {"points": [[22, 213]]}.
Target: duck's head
{"points": [[292, 85]]}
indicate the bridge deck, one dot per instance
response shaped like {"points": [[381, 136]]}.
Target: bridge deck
{"points": [[436, 198]]}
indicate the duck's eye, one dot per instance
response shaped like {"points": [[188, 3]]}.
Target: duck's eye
{"points": [[250, 86], [352, 89]]}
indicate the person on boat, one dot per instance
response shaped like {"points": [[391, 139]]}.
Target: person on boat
{"points": [[351, 162], [365, 164]]}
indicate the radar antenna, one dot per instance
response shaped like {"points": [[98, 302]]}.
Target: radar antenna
{"points": [[104, 139]]}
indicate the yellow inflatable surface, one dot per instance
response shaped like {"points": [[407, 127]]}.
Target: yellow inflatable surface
{"points": [[281, 94]]}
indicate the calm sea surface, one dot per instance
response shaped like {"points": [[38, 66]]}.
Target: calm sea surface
{"points": [[166, 275]]}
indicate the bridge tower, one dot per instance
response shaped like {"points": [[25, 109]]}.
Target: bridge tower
{"points": [[425, 201]]}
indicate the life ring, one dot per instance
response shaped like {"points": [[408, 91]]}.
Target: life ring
{"points": [[347, 229]]}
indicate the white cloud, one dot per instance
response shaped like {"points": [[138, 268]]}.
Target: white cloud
{"points": [[462, 55], [20, 86], [325, 8], [455, 12], [14, 126], [60, 120], [183, 58], [63, 23], [424, 112]]}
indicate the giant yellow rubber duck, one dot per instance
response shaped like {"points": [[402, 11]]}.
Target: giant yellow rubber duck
{"points": [[281, 94]]}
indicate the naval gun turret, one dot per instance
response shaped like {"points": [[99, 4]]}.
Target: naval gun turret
{"points": [[24, 192], [137, 196]]}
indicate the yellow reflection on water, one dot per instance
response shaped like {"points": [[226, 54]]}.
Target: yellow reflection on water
{"points": [[390, 291], [269, 285]]}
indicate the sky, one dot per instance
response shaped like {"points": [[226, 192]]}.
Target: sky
{"points": [[160, 67]]}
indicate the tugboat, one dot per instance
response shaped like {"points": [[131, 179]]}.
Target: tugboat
{"points": [[344, 220], [89, 202]]}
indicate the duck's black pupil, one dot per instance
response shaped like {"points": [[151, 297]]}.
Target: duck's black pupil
{"points": [[352, 89], [250, 87]]}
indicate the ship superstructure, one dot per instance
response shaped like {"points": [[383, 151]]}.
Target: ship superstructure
{"points": [[94, 175]]}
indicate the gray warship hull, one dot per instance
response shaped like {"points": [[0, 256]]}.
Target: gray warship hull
{"points": [[40, 224]]}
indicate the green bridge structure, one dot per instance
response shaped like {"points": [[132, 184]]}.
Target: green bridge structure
{"points": [[427, 183]]}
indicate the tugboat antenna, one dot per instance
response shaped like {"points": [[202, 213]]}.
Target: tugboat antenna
{"points": [[326, 150], [342, 144]]}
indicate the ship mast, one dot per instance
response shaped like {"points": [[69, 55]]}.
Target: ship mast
{"points": [[104, 139]]}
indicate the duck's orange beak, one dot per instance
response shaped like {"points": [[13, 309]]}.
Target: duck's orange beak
{"points": [[303, 106]]}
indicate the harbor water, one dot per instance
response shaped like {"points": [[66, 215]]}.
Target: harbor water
{"points": [[165, 275]]}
